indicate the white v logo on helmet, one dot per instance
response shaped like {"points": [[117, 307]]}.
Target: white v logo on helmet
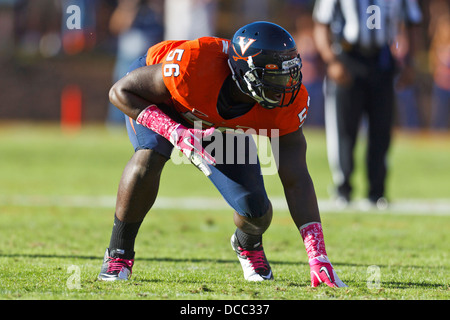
{"points": [[245, 46]]}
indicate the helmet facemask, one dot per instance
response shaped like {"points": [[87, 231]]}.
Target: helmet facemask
{"points": [[272, 87]]}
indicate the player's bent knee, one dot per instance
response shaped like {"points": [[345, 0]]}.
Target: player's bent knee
{"points": [[254, 225], [253, 205]]}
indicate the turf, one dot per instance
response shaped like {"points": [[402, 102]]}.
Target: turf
{"points": [[53, 251]]}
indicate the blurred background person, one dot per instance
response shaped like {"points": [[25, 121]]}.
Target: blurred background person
{"points": [[354, 38], [34, 26], [440, 64], [138, 24]]}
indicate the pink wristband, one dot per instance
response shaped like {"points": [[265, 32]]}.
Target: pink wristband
{"points": [[312, 235], [156, 120]]}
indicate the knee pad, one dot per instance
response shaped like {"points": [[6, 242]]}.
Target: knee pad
{"points": [[254, 225], [252, 205]]}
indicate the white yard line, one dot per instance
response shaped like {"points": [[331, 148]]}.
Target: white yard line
{"points": [[398, 206]]}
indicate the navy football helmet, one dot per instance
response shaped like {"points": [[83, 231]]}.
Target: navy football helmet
{"points": [[265, 64]]}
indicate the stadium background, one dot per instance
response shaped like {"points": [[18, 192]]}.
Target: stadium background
{"points": [[39, 58], [57, 190]]}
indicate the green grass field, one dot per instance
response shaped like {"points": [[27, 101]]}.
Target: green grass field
{"points": [[57, 195]]}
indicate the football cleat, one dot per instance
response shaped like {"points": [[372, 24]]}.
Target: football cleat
{"points": [[253, 262], [115, 268], [323, 272]]}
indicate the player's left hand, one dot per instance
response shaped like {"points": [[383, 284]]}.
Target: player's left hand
{"points": [[322, 271]]}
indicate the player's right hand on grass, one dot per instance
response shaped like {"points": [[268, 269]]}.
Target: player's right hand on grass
{"points": [[187, 140]]}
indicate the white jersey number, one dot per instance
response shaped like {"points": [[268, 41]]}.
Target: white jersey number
{"points": [[173, 69]]}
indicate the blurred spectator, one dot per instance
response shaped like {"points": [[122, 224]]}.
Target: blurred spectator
{"points": [[353, 38], [440, 65], [138, 24], [36, 28], [189, 19]]}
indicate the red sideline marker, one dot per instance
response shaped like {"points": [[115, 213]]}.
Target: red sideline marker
{"points": [[71, 107]]}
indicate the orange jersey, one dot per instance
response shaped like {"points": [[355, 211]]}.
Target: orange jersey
{"points": [[194, 72]]}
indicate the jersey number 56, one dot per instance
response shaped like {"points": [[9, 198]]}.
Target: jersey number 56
{"points": [[173, 69]]}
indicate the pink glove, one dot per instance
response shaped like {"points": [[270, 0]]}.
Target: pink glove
{"points": [[187, 140], [321, 269], [323, 272]]}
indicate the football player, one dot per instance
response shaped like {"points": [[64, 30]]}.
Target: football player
{"points": [[253, 81]]}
